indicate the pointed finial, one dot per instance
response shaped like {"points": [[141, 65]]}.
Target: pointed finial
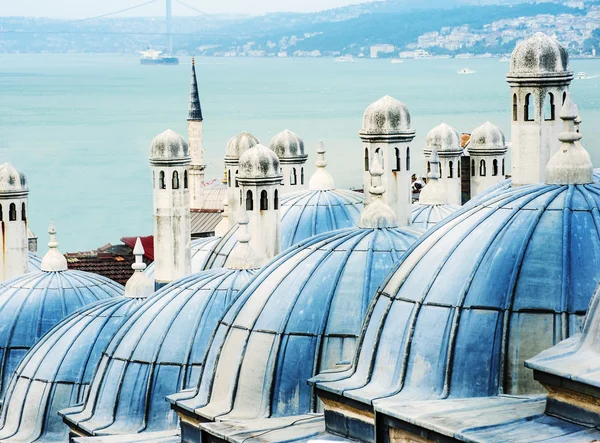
{"points": [[53, 261], [195, 110], [139, 284], [434, 192], [377, 214], [243, 256], [572, 164], [321, 179]]}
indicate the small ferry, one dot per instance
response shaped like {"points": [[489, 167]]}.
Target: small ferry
{"points": [[344, 59], [466, 71], [397, 60], [581, 76], [153, 57]]}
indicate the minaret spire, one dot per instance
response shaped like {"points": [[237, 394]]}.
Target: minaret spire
{"points": [[53, 261], [571, 165], [434, 192], [139, 284], [377, 214], [321, 179], [195, 144]]}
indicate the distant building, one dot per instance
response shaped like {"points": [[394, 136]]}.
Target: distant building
{"points": [[376, 49]]}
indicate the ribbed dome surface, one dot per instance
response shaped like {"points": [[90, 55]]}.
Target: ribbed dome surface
{"points": [[32, 304], [57, 371], [487, 289], [301, 314], [158, 351], [35, 263], [427, 216], [303, 214]]}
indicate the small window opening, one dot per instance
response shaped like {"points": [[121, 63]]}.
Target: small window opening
{"points": [[249, 201], [482, 168], [175, 183], [264, 201]]}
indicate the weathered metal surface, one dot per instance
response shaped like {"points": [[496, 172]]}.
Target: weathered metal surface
{"points": [[158, 351], [425, 217], [301, 314], [490, 287], [147, 437], [57, 371]]}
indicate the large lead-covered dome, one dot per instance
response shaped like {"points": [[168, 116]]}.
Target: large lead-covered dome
{"points": [[492, 286], [300, 315], [57, 371], [158, 351]]}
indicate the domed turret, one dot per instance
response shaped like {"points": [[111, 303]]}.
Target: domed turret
{"points": [[160, 350], [169, 146], [387, 134], [236, 147], [259, 162], [32, 304], [57, 371], [290, 150], [539, 55], [386, 115], [12, 181], [487, 152], [447, 143], [301, 315]]}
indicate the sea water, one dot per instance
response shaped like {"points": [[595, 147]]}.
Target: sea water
{"points": [[80, 126]]}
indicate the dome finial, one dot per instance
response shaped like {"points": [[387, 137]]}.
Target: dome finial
{"points": [[139, 285], [571, 165], [53, 261], [243, 256], [321, 179], [377, 214], [434, 192]]}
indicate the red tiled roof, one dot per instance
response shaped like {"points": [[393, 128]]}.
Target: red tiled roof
{"points": [[147, 243], [464, 139], [117, 267]]}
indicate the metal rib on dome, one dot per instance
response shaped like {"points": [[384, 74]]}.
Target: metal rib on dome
{"points": [[57, 371], [457, 316], [32, 304], [300, 315], [35, 263], [425, 217], [158, 351]]}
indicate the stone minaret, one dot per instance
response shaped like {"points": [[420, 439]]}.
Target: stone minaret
{"points": [[139, 284], [387, 133], [539, 79], [487, 152], [290, 150], [446, 141], [195, 145], [14, 260], [170, 161], [236, 146], [260, 182]]}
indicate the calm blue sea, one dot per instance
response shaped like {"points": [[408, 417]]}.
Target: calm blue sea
{"points": [[80, 126]]}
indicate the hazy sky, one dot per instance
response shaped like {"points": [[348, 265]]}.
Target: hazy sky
{"points": [[87, 8]]}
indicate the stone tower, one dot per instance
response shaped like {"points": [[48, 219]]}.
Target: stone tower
{"points": [[260, 181], [487, 152], [170, 161], [14, 260], [236, 146], [539, 79], [387, 133], [290, 150], [195, 144], [446, 141]]}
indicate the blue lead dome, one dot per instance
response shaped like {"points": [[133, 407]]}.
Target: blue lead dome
{"points": [[301, 314], [158, 351], [492, 286]]}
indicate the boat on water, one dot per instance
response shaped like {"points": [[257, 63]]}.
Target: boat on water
{"points": [[466, 71], [581, 75], [344, 59], [153, 57], [397, 60]]}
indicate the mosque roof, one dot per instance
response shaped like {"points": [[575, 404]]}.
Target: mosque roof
{"points": [[288, 145], [472, 291], [35, 262], [301, 314], [161, 346], [11, 180], [539, 55], [57, 371]]}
